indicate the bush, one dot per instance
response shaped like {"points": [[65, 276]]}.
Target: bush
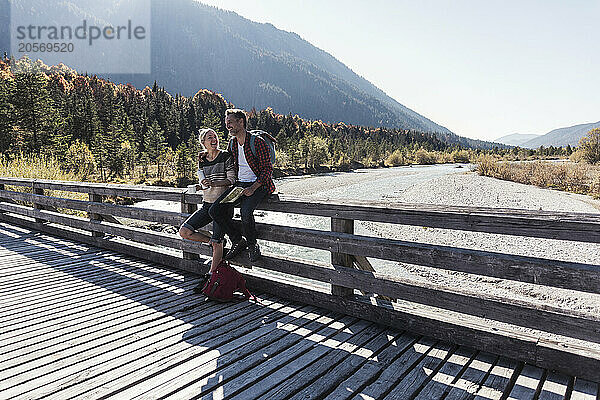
{"points": [[589, 146], [34, 166], [460, 156], [79, 160], [424, 157], [396, 159]]}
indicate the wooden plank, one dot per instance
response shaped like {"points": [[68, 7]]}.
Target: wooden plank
{"points": [[188, 208], [517, 312], [34, 260], [1, 190], [253, 354], [569, 357], [272, 369], [65, 289], [334, 374], [473, 377], [139, 306], [568, 275], [128, 362], [450, 372], [452, 328], [42, 357], [35, 263], [110, 354], [527, 383], [501, 377], [29, 325], [374, 366], [29, 297], [584, 390], [46, 276], [397, 370], [575, 276], [137, 234], [25, 246], [38, 269], [146, 214], [339, 259], [95, 216], [35, 245], [131, 249], [107, 189], [180, 374], [40, 192], [313, 365], [51, 344], [555, 387], [421, 374], [123, 283], [555, 225]]}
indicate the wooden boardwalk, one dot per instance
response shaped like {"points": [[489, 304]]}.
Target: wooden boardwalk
{"points": [[81, 322]]}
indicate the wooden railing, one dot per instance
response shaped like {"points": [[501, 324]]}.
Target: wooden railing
{"points": [[455, 315]]}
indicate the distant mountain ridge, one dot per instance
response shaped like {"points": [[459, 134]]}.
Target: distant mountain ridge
{"points": [[570, 135], [256, 65], [516, 139]]}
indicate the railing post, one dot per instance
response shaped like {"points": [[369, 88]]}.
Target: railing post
{"points": [[1, 199], [97, 198], [189, 208], [39, 191], [340, 259]]}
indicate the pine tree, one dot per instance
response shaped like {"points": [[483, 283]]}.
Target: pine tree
{"points": [[155, 145], [35, 112], [7, 113], [212, 121]]}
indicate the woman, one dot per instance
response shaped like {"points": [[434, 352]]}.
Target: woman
{"points": [[216, 174]]}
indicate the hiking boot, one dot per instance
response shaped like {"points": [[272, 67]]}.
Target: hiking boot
{"points": [[253, 252], [203, 281], [236, 248]]}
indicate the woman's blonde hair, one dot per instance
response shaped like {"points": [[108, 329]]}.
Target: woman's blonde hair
{"points": [[202, 135]]}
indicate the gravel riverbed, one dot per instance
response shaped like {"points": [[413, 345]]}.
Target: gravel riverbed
{"points": [[467, 189]]}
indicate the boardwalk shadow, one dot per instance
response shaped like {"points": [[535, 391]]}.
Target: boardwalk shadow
{"points": [[191, 347]]}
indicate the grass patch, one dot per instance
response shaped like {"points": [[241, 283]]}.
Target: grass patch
{"points": [[40, 167], [567, 176]]}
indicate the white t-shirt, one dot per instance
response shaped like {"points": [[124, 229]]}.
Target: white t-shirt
{"points": [[245, 173]]}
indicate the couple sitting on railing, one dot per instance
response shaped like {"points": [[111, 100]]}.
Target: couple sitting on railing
{"points": [[246, 165]]}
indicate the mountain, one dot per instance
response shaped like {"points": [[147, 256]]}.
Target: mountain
{"points": [[516, 139], [562, 136], [254, 65]]}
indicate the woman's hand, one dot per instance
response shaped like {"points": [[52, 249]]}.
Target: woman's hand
{"points": [[206, 182]]}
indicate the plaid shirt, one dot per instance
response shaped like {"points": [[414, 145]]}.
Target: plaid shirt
{"points": [[260, 165]]}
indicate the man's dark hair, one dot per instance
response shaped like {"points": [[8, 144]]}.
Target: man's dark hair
{"points": [[237, 113]]}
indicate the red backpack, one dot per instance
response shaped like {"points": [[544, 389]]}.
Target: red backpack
{"points": [[224, 281]]}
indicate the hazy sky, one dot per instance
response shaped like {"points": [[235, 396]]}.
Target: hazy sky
{"points": [[482, 68]]}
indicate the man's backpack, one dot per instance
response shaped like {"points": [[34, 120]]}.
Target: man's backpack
{"points": [[270, 140], [223, 282]]}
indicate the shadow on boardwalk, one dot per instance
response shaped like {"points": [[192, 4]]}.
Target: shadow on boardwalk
{"points": [[79, 321]]}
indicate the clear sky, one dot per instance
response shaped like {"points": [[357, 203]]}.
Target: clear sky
{"points": [[482, 68]]}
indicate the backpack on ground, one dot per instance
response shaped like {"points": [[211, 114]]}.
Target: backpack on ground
{"points": [[270, 140], [224, 282]]}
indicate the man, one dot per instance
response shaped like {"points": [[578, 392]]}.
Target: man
{"points": [[254, 174]]}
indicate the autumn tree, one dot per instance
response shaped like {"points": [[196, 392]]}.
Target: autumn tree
{"points": [[589, 146]]}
